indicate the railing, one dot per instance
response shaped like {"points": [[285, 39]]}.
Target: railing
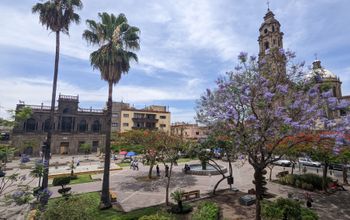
{"points": [[154, 120], [70, 97], [90, 110], [40, 107]]}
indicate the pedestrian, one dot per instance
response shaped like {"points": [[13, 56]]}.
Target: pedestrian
{"points": [[166, 170], [136, 165], [308, 199], [131, 164], [78, 162], [158, 171]]}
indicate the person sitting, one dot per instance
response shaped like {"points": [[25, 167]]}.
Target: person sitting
{"points": [[335, 185]]}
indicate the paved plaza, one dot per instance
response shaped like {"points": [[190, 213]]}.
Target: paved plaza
{"points": [[134, 190]]}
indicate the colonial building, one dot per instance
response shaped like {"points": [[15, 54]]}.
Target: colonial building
{"points": [[126, 117], [271, 38], [73, 127], [189, 131]]}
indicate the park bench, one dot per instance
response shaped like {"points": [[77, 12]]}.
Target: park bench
{"points": [[191, 195], [282, 174], [113, 196]]}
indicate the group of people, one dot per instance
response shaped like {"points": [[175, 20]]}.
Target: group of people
{"points": [[134, 164], [166, 170]]}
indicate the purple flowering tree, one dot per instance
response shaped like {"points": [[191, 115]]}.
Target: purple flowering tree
{"points": [[264, 103]]}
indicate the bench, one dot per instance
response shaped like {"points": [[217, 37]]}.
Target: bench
{"points": [[191, 195], [113, 196], [282, 174]]}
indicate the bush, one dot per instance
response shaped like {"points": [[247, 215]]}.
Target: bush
{"points": [[308, 181], [61, 181], [286, 209], [207, 211], [155, 217], [186, 208], [74, 208]]}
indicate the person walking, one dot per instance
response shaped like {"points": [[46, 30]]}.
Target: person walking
{"points": [[78, 162], [158, 171], [132, 164], [136, 165]]}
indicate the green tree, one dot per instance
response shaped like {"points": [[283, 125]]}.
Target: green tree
{"points": [[38, 172], [116, 40], [56, 16]]}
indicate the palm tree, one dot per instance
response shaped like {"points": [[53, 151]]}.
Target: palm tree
{"points": [[56, 15], [116, 40]]}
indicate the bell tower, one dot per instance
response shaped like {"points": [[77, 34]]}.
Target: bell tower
{"points": [[270, 35]]}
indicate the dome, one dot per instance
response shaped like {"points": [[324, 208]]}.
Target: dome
{"points": [[318, 70]]}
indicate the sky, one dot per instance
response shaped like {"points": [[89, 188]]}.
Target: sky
{"points": [[185, 46]]}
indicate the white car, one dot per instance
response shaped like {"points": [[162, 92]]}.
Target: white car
{"points": [[283, 162], [308, 162]]}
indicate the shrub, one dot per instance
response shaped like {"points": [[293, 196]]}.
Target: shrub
{"points": [[75, 208], [155, 217], [308, 181], [307, 186], [61, 181], [207, 211], [290, 179], [286, 209]]}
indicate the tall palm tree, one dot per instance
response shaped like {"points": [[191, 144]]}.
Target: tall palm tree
{"points": [[56, 15], [116, 40]]}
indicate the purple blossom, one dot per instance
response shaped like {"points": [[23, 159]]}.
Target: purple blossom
{"points": [[327, 94], [268, 96], [282, 89], [281, 51], [253, 58], [243, 56]]}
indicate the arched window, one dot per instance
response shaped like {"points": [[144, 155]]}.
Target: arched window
{"points": [[82, 126], [47, 125], [66, 111], [267, 45], [96, 126], [273, 28], [66, 124], [265, 31], [30, 125]]}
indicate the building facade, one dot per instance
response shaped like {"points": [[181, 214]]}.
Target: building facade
{"points": [[190, 131], [126, 118], [73, 126]]}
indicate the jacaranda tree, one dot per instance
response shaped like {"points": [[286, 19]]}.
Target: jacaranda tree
{"points": [[265, 104], [116, 40]]}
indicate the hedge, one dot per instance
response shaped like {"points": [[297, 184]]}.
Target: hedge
{"points": [[207, 211], [308, 181]]}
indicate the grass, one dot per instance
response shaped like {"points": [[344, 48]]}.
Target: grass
{"points": [[123, 164], [111, 214], [83, 178], [186, 160]]}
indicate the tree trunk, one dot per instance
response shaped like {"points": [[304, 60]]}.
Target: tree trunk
{"points": [[324, 177], [39, 181], [52, 115], [258, 179], [105, 199], [293, 166], [217, 184], [270, 175], [168, 185], [150, 169], [345, 174]]}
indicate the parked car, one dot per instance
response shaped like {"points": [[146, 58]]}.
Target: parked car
{"points": [[308, 162], [339, 167], [283, 163]]}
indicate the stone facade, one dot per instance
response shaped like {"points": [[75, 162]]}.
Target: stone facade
{"points": [[126, 118], [73, 126], [190, 131]]}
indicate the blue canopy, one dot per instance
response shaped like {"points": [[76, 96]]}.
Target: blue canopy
{"points": [[131, 153]]}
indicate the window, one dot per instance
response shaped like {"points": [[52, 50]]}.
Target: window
{"points": [[66, 111], [125, 124], [265, 31], [126, 115], [114, 124], [197, 133], [115, 115], [274, 42], [162, 125], [151, 116], [273, 28], [47, 125], [163, 116], [82, 126], [31, 124], [138, 115], [66, 124], [267, 45], [96, 126], [94, 146]]}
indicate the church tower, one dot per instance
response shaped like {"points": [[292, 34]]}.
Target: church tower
{"points": [[270, 35]]}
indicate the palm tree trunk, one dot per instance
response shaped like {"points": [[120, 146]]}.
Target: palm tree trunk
{"points": [[105, 199], [324, 177], [52, 115]]}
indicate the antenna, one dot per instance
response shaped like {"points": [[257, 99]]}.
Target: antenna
{"points": [[268, 5], [315, 56]]}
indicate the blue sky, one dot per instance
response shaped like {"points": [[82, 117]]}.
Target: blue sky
{"points": [[185, 46]]}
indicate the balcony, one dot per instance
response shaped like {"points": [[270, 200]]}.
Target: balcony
{"points": [[144, 120], [144, 128]]}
